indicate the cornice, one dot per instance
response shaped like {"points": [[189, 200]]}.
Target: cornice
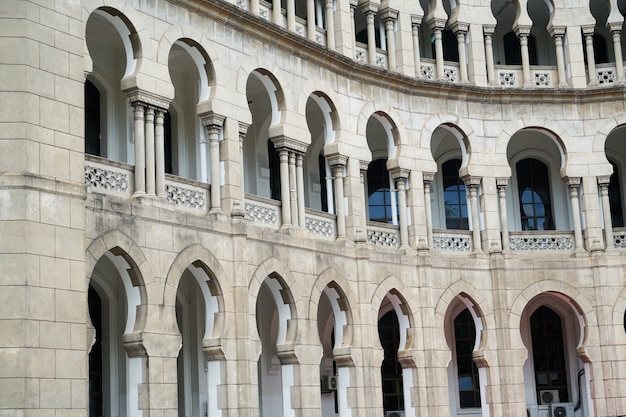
{"points": [[296, 45]]}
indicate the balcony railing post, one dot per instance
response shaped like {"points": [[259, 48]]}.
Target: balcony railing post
{"points": [[573, 183], [591, 58], [338, 165], [603, 183], [389, 17]]}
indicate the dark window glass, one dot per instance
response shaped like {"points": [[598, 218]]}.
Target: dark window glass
{"points": [[533, 184], [548, 352], [391, 371], [615, 198], [92, 119], [454, 196], [167, 139], [274, 162], [379, 191], [95, 356], [449, 44], [513, 50], [464, 338], [323, 189]]}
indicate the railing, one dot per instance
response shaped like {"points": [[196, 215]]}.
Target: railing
{"points": [[108, 177], [186, 193], [541, 240], [361, 55], [513, 76], [321, 224], [619, 237], [428, 70], [381, 234], [457, 241], [263, 211]]}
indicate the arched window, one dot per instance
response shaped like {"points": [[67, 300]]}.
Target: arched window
{"points": [[92, 119], [274, 163], [454, 196], [467, 371], [533, 184], [391, 371], [379, 192], [513, 50], [615, 198], [548, 358]]}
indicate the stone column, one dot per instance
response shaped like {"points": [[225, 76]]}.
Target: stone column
{"points": [[574, 184], [310, 19], [437, 27], [254, 7], [363, 169], [502, 183], [293, 191], [603, 183], [291, 15], [300, 190], [473, 184], [491, 71], [400, 177], [416, 21], [330, 25], [243, 131], [522, 34], [428, 180], [140, 147], [389, 17], [591, 57], [338, 164], [558, 33], [150, 158], [213, 124], [460, 29], [277, 14], [159, 142], [353, 6], [616, 33], [284, 186], [370, 9]]}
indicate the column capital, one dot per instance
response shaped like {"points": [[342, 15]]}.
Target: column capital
{"points": [[555, 31], [502, 182], [460, 27], [400, 173], [212, 120], [416, 20], [243, 129], [388, 14], [614, 27], [369, 8], [604, 180], [588, 30], [363, 165], [471, 181], [337, 160], [293, 145], [572, 182], [488, 30], [428, 177], [522, 30], [436, 24], [354, 4], [145, 98]]}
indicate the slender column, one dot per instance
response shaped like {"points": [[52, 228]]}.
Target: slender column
{"points": [[573, 185], [293, 191], [558, 33], [277, 15], [369, 10], [243, 131], [150, 161], [428, 180], [140, 148], [284, 186], [616, 33], [502, 183], [491, 71], [522, 34], [591, 56], [310, 19], [338, 164], [415, 30], [254, 7], [363, 171], [291, 15], [603, 183], [330, 25], [401, 177], [472, 184], [353, 5], [159, 142], [213, 124], [437, 28], [300, 190], [461, 32], [389, 17]]}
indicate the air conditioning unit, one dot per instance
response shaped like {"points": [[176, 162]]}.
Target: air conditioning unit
{"points": [[398, 413], [561, 410], [329, 383], [548, 396]]}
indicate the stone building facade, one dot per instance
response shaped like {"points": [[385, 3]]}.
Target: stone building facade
{"points": [[307, 208]]}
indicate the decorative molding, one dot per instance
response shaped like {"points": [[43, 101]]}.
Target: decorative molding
{"points": [[507, 79], [381, 237], [543, 79], [619, 239], [451, 74], [147, 98], [105, 178], [534, 242], [427, 71], [261, 213], [319, 226], [448, 242], [185, 197], [605, 76], [283, 142]]}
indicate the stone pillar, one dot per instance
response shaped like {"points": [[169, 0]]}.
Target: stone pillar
{"points": [[370, 9], [389, 17], [330, 25], [284, 186], [603, 183], [473, 184], [574, 184], [416, 21], [277, 14], [460, 30], [140, 147], [293, 191], [557, 33], [591, 57], [150, 158], [400, 177], [254, 7], [310, 19], [300, 191], [491, 71], [243, 131], [291, 15], [437, 27], [504, 222], [428, 180], [522, 34], [616, 33], [213, 124], [353, 5], [159, 144], [338, 164]]}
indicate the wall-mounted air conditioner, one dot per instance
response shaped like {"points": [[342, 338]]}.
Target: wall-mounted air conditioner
{"points": [[329, 383], [548, 396], [398, 413], [561, 410]]}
